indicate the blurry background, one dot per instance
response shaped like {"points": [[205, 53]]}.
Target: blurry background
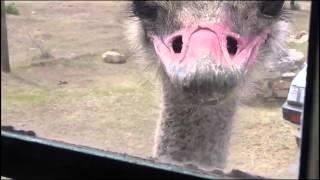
{"points": [[63, 85]]}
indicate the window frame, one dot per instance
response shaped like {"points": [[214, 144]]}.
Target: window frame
{"points": [[24, 156], [309, 158]]}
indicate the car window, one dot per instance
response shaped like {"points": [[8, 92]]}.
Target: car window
{"points": [[81, 73]]}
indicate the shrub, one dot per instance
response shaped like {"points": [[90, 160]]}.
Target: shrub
{"points": [[12, 9]]}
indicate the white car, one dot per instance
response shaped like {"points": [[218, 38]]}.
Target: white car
{"points": [[293, 107]]}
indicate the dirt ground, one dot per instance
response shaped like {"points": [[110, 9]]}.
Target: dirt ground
{"points": [[74, 97]]}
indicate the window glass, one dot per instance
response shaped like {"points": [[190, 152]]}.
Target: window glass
{"points": [[77, 77]]}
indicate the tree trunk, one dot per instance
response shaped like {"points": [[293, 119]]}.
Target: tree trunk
{"points": [[5, 66], [294, 5]]}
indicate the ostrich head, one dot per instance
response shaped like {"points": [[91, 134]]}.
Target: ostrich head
{"points": [[206, 49]]}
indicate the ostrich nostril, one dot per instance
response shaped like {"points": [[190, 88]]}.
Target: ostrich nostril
{"points": [[177, 44], [232, 45]]}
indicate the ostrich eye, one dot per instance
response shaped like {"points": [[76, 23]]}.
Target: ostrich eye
{"points": [[144, 10], [271, 8]]}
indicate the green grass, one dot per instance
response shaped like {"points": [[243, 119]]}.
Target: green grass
{"points": [[83, 62], [12, 9], [127, 89], [16, 99]]}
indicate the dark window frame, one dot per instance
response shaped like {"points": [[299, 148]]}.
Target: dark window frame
{"points": [[28, 157]]}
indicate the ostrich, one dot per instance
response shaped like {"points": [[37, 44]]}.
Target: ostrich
{"points": [[207, 53]]}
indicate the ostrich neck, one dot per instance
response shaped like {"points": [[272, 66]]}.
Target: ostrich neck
{"points": [[193, 134]]}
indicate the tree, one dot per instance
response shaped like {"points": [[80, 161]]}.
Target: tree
{"points": [[5, 66], [294, 5]]}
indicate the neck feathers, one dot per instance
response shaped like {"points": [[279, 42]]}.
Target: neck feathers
{"points": [[193, 134]]}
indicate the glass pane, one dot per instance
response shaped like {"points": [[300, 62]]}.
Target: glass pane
{"points": [[207, 78]]}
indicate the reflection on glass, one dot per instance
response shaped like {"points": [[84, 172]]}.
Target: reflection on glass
{"points": [[74, 78]]}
